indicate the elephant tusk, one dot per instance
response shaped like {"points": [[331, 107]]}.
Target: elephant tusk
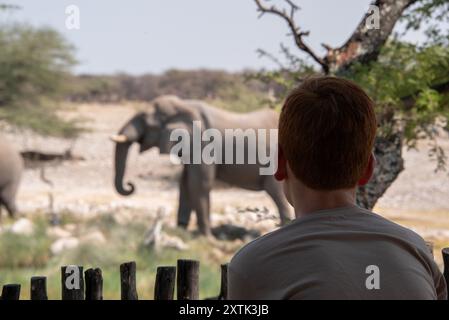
{"points": [[119, 138]]}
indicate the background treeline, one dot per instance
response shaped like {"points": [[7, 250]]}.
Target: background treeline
{"points": [[237, 91], [36, 77]]}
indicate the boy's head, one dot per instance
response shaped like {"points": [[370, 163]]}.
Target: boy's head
{"points": [[327, 129]]}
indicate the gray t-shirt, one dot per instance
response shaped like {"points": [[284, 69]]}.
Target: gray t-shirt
{"points": [[343, 253]]}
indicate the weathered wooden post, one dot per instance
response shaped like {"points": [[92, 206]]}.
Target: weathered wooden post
{"points": [[128, 281], [223, 295], [72, 283], [164, 288], [94, 284], [188, 280], [445, 253], [11, 292], [38, 288]]}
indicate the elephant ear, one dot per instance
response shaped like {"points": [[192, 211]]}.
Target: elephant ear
{"points": [[165, 143], [174, 113], [152, 119]]}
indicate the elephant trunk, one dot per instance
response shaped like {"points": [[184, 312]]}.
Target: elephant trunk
{"points": [[121, 154]]}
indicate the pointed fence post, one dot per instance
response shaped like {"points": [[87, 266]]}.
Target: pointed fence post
{"points": [[445, 253], [188, 280], [38, 288], [128, 281], [224, 283], [72, 283], [94, 284], [11, 292], [164, 287]]}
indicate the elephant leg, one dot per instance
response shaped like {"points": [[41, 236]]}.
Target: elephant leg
{"points": [[185, 208], [274, 190], [11, 208], [8, 197], [200, 179], [202, 207]]}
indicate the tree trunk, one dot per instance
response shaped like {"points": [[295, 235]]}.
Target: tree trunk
{"points": [[388, 152]]}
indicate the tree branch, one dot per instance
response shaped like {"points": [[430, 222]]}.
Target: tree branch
{"points": [[296, 31], [5, 6], [263, 53], [364, 44]]}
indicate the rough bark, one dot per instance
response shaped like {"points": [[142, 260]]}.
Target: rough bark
{"points": [[364, 44], [388, 152]]}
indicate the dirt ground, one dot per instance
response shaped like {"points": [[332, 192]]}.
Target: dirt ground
{"points": [[419, 198]]}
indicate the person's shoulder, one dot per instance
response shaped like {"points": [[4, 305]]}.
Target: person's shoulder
{"points": [[250, 253], [396, 229]]}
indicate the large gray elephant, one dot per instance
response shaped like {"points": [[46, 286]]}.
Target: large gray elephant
{"points": [[152, 128], [11, 167]]}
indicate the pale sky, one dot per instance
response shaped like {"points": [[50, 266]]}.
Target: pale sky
{"points": [[140, 36]]}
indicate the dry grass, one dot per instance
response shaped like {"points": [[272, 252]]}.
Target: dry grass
{"points": [[20, 260]]}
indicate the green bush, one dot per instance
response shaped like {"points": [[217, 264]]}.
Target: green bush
{"points": [[34, 66], [21, 251]]}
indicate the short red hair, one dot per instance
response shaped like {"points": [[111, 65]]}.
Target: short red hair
{"points": [[327, 129]]}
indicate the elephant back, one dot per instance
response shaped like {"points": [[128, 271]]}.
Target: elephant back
{"points": [[222, 119], [170, 108]]}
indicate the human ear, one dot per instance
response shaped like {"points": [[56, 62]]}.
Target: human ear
{"points": [[368, 171], [281, 171]]}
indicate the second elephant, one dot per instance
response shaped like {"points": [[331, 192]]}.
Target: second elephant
{"points": [[11, 167], [166, 113]]}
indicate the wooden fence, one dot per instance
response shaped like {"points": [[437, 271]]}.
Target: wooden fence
{"points": [[89, 285], [76, 285]]}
